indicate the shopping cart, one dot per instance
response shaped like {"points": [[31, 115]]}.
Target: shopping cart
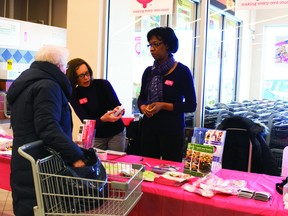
{"points": [[53, 198]]}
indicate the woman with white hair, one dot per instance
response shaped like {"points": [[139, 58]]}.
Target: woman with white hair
{"points": [[40, 111]]}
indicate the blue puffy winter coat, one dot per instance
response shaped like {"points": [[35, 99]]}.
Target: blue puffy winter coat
{"points": [[39, 110]]}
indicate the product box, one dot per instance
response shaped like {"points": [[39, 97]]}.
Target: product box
{"points": [[198, 159], [88, 133]]}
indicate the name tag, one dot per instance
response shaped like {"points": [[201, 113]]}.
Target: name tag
{"points": [[83, 100], [169, 82]]}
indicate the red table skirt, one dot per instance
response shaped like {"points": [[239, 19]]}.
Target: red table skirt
{"points": [[5, 172]]}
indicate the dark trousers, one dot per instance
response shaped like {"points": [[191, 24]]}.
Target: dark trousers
{"points": [[157, 143]]}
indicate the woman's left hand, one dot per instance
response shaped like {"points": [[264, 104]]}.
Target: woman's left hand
{"points": [[78, 163], [153, 108], [109, 117]]}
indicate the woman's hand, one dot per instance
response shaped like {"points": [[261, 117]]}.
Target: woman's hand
{"points": [[152, 109], [109, 117], [119, 110], [145, 111], [79, 163], [155, 107]]}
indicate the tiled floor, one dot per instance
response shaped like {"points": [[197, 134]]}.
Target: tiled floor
{"points": [[5, 203]]}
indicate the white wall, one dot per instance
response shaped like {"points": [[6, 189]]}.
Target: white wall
{"points": [[26, 36], [85, 32], [23, 35], [86, 37]]}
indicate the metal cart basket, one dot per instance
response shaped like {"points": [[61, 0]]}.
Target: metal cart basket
{"points": [[53, 198]]}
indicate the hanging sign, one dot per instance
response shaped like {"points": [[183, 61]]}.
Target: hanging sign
{"points": [[151, 7], [260, 4], [227, 5]]}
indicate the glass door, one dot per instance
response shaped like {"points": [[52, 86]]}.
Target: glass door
{"points": [[229, 61], [213, 61], [128, 54]]}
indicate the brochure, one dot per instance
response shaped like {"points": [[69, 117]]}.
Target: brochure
{"points": [[216, 138], [198, 159]]}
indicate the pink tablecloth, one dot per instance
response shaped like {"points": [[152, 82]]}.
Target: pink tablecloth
{"points": [[167, 200]]}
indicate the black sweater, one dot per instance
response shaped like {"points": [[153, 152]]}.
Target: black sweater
{"points": [[178, 88], [101, 97]]}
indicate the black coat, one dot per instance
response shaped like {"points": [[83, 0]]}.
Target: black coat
{"points": [[39, 110], [100, 97], [235, 153]]}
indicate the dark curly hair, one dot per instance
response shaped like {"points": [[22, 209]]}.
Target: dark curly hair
{"points": [[73, 65], [167, 36]]}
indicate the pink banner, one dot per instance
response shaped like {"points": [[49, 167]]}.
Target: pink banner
{"points": [[151, 7]]}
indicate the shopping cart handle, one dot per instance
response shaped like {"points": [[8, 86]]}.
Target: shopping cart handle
{"points": [[33, 151]]}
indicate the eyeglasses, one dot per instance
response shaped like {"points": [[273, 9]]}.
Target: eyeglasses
{"points": [[81, 76], [154, 45]]}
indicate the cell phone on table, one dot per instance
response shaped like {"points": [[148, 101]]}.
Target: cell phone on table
{"points": [[118, 111]]}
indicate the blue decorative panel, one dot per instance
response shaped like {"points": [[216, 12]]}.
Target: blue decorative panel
{"points": [[28, 57], [17, 56], [6, 55]]}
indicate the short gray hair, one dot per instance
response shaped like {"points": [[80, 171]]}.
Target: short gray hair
{"points": [[56, 55]]}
